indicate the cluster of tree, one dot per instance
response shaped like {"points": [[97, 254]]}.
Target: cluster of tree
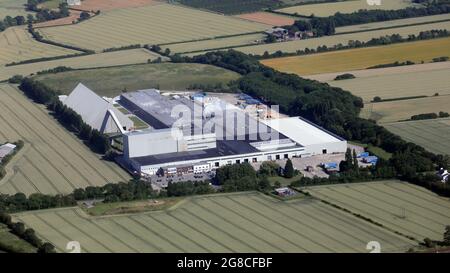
{"points": [[383, 40], [55, 70], [332, 108], [27, 234], [9, 21], [379, 99], [189, 188], [240, 177], [394, 64], [45, 14], [158, 49], [440, 59], [70, 119], [346, 76], [430, 116], [429, 243], [319, 26], [19, 202], [122, 48]]}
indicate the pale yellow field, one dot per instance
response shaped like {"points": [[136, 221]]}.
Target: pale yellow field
{"points": [[361, 58], [217, 43], [294, 46], [328, 9], [393, 23], [16, 44], [53, 160], [396, 85], [123, 57], [154, 24], [392, 111]]}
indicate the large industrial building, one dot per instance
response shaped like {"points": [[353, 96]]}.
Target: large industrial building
{"points": [[195, 133]]}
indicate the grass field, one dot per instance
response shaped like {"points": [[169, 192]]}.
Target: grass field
{"points": [[111, 81], [400, 206], [234, 41], [393, 23], [393, 111], [154, 24], [12, 8], [123, 57], [328, 9], [246, 222], [391, 85], [294, 46], [361, 58], [17, 45], [433, 135], [11, 242], [53, 160], [268, 18]]}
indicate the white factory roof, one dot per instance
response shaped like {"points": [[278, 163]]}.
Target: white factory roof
{"points": [[301, 131], [93, 108]]}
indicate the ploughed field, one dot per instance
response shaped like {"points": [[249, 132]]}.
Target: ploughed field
{"points": [[400, 206], [244, 222], [53, 160]]}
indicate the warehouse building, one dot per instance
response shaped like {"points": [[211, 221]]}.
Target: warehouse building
{"points": [[213, 134]]}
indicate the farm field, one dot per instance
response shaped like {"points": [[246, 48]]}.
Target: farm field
{"points": [[53, 160], [123, 57], [328, 9], [294, 46], [430, 134], [106, 5], [17, 45], [268, 18], [111, 81], [244, 222], [154, 24], [392, 111], [393, 23], [400, 206], [13, 8], [391, 85], [361, 58], [234, 41]]}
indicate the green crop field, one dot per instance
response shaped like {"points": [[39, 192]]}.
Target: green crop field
{"points": [[12, 8], [244, 222], [116, 58], [220, 43], [17, 45], [328, 9], [154, 24], [393, 23], [396, 85], [399, 206], [393, 111], [112, 81], [10, 242], [432, 134], [52, 160], [294, 46]]}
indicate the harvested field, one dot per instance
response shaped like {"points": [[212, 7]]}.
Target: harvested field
{"points": [[17, 45], [154, 24], [330, 41], [13, 8], [328, 9], [397, 85], [72, 18], [392, 111], [53, 160], [220, 43], [168, 76], [400, 206], [393, 23], [361, 58], [433, 134], [123, 57], [106, 5], [244, 222], [268, 18]]}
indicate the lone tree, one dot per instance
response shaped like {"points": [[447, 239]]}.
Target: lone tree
{"points": [[289, 169]]}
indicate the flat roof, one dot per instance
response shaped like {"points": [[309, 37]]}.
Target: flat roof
{"points": [[302, 131]]}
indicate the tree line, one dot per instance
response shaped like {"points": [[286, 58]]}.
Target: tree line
{"points": [[42, 94]]}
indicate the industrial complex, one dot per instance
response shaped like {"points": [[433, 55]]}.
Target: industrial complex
{"points": [[191, 132]]}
